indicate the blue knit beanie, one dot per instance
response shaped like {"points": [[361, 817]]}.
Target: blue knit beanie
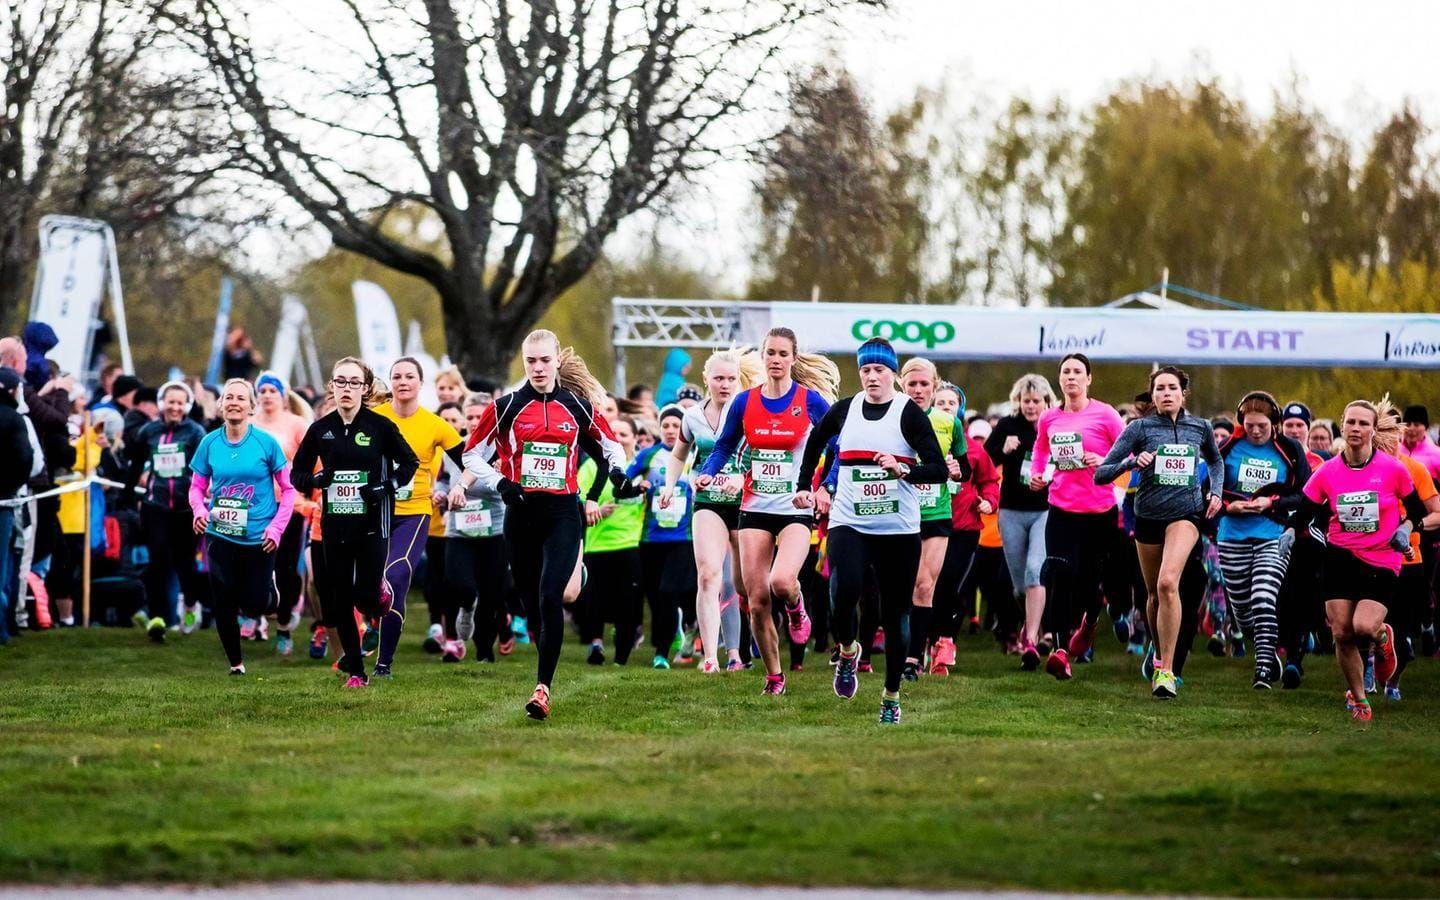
{"points": [[877, 350]]}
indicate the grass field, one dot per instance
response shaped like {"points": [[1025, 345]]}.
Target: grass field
{"points": [[123, 761]]}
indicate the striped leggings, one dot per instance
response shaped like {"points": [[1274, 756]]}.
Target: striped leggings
{"points": [[1254, 571]]}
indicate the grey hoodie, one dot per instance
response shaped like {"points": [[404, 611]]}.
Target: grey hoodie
{"points": [[1163, 496]]}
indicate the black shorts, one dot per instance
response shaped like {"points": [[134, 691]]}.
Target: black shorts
{"points": [[774, 522], [1347, 577], [935, 528], [1152, 531], [728, 513]]}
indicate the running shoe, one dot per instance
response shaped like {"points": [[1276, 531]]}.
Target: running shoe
{"points": [[734, 665], [938, 668], [140, 619], [1385, 661], [597, 655], [1290, 679], [1369, 675], [1147, 665], [834, 656], [797, 667], [284, 645], [864, 667], [507, 646], [520, 628], [845, 677], [1162, 685], [370, 641], [190, 621], [1047, 641], [262, 630], [356, 681], [238, 670], [911, 672], [945, 651], [678, 643], [1121, 624], [1029, 657], [1216, 646], [1361, 713], [659, 662], [1237, 646], [319, 642], [383, 671], [434, 639], [889, 711], [465, 624], [1058, 664], [1261, 683], [538, 706], [454, 651], [774, 685], [247, 628], [156, 630], [1349, 702], [1135, 648], [1392, 692], [710, 667], [387, 598], [798, 621], [1082, 640]]}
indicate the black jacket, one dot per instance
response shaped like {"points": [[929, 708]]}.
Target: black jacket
{"points": [[14, 449], [170, 493], [1287, 492], [372, 445]]}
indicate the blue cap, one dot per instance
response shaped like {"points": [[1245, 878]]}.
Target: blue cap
{"points": [[877, 350], [271, 379]]}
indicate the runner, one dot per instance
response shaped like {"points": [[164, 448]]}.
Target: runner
{"points": [[1373, 508], [1264, 472], [275, 418], [774, 420], [429, 436], [974, 498], [1412, 592], [920, 379], [441, 601], [475, 566], [716, 519], [536, 434], [1024, 510], [165, 448], [1170, 504], [238, 467], [1080, 526], [667, 555], [885, 445], [363, 459], [612, 557]]}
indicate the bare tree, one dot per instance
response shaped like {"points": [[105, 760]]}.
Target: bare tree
{"points": [[530, 130]]}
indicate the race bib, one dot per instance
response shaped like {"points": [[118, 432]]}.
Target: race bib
{"points": [[168, 460], [725, 488], [543, 465], [772, 471], [1027, 468], [1358, 512], [1066, 451], [473, 519], [1175, 465], [231, 516], [875, 491], [342, 497], [408, 491], [672, 516], [932, 496], [1256, 474]]}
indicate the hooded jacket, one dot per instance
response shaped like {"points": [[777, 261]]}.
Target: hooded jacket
{"points": [[673, 379]]}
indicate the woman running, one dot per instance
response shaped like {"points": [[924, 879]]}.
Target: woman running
{"points": [[667, 555], [1024, 509], [363, 460], [275, 418], [1170, 504], [885, 446], [974, 498], [1373, 509], [1264, 472], [716, 520], [441, 602], [920, 378], [773, 421], [536, 434], [1412, 591], [1079, 529], [239, 467], [429, 436]]}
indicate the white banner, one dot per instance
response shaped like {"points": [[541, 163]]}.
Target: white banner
{"points": [[287, 338], [1219, 337], [378, 327], [70, 286]]}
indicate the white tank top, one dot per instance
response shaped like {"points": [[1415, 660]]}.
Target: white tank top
{"points": [[868, 498]]}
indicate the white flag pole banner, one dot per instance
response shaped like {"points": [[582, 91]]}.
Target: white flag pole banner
{"points": [[287, 338], [378, 327], [415, 346], [76, 258], [1217, 337]]}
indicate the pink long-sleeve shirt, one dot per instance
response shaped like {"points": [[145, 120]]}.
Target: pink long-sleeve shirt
{"points": [[1064, 438]]}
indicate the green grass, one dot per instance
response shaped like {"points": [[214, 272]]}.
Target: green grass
{"points": [[123, 761]]}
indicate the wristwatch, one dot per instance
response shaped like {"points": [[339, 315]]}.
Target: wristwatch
{"points": [[904, 469]]}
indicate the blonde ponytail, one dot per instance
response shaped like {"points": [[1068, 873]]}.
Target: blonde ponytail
{"points": [[572, 374]]}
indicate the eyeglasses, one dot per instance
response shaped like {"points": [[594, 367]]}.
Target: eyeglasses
{"points": [[348, 382]]}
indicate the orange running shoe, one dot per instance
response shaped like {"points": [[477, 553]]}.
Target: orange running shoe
{"points": [[1385, 661], [538, 706]]}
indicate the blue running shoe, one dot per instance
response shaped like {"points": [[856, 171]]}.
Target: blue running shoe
{"points": [[1122, 629], [889, 711], [1290, 679], [846, 680], [1147, 665], [1369, 675], [659, 662], [521, 629], [1392, 693]]}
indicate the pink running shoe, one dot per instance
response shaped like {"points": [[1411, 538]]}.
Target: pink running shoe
{"points": [[1083, 639], [357, 681], [799, 622], [247, 628], [945, 651], [1029, 657], [774, 685], [1058, 664], [734, 665], [453, 651]]}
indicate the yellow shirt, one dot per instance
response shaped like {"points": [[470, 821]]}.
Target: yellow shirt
{"points": [[429, 436], [74, 504]]}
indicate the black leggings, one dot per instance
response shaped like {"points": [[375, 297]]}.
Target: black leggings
{"points": [[349, 579], [1412, 596], [440, 599], [988, 589], [242, 583], [896, 560], [171, 539], [543, 533], [612, 594], [1301, 603], [959, 559], [287, 570], [668, 568], [479, 579], [1076, 545]]}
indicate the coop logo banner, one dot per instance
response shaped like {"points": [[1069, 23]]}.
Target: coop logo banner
{"points": [[931, 334]]}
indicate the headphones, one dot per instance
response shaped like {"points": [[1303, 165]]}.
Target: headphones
{"points": [[1266, 397], [189, 394]]}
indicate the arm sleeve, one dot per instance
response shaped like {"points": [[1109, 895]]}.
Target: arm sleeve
{"points": [[816, 405], [285, 500], [995, 443], [481, 447], [930, 465], [454, 447], [302, 467], [827, 428], [1414, 508], [199, 487], [642, 461], [728, 440], [1214, 461], [1119, 460], [1290, 500]]}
